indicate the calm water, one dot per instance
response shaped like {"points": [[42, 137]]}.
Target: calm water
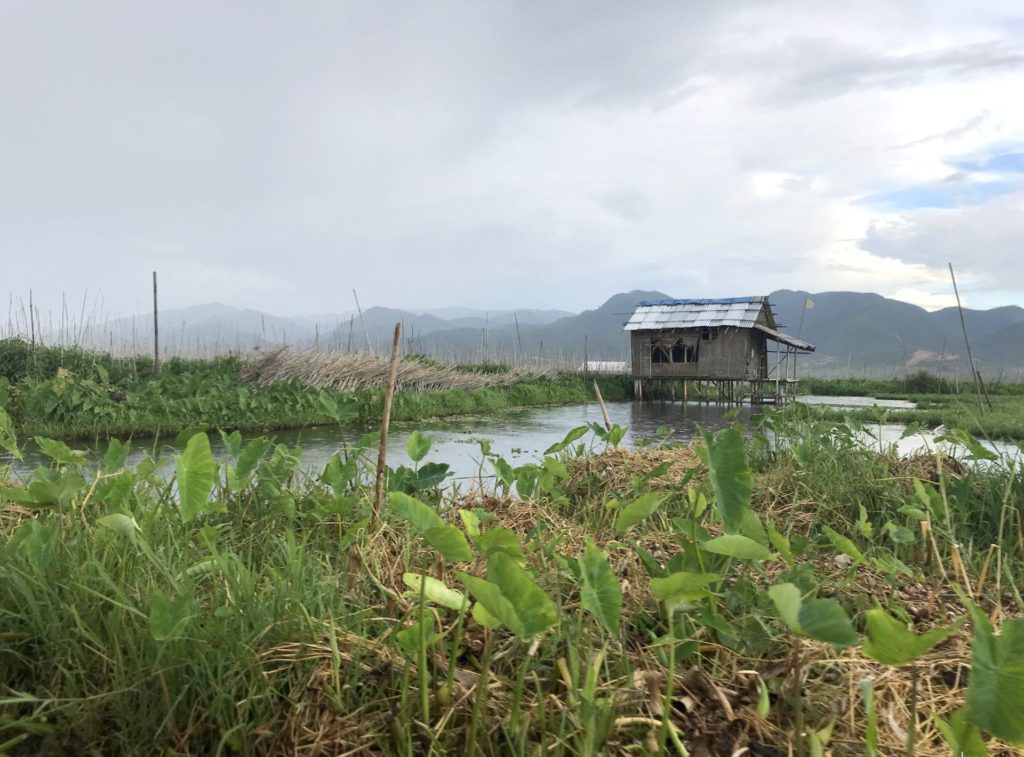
{"points": [[523, 435]]}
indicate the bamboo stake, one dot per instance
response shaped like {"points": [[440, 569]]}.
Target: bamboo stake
{"points": [[970, 356], [156, 332], [382, 455], [604, 410]]}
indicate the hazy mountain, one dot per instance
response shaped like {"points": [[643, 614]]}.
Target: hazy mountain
{"points": [[854, 333]]}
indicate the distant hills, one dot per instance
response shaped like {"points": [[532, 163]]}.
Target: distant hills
{"points": [[854, 333]]}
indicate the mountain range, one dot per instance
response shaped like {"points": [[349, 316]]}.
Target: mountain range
{"points": [[854, 333]]}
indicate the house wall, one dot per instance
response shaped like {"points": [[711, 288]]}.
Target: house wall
{"points": [[733, 354]]}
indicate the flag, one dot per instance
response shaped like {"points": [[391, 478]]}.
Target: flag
{"points": [[808, 303]]}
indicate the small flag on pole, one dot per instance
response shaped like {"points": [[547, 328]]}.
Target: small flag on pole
{"points": [[808, 303]]}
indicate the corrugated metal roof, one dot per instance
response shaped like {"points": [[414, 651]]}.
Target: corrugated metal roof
{"points": [[792, 341], [741, 312]]}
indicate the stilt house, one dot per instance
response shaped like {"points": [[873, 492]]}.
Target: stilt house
{"points": [[723, 341]]}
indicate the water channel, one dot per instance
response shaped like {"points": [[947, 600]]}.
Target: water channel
{"points": [[523, 435]]}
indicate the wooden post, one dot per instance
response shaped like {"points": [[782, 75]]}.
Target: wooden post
{"points": [[382, 453], [156, 332], [32, 319], [970, 356], [366, 334], [604, 410]]}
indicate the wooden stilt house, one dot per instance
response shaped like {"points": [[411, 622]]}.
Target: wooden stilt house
{"points": [[733, 344]]}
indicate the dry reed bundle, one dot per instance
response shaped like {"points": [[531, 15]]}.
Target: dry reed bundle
{"points": [[347, 371]]}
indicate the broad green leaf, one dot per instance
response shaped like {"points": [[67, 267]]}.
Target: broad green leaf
{"points": [[483, 617], [168, 617], [961, 735], [511, 597], [8, 439], [116, 455], [730, 475], [577, 433], [60, 453], [735, 545], [780, 542], [635, 511], [825, 620], [682, 586], [600, 592], [995, 696], [124, 525], [196, 471], [250, 457], [500, 539], [471, 521], [450, 542], [417, 446], [420, 632], [421, 517], [753, 528], [232, 442], [890, 642], [821, 619], [434, 591]]}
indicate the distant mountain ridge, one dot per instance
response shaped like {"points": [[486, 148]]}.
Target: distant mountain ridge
{"points": [[855, 333]]}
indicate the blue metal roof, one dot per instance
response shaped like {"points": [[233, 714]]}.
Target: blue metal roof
{"points": [[717, 301]]}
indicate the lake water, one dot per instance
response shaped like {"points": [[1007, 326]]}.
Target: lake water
{"points": [[523, 435]]}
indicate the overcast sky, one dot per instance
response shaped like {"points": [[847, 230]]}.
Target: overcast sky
{"points": [[276, 155]]}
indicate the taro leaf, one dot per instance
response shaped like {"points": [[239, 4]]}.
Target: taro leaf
{"points": [[168, 617], [232, 442], [116, 455], [730, 475], [417, 446], [891, 643], [960, 734], [825, 620], [780, 542], [635, 511], [46, 489], [576, 433], [338, 475], [600, 593], [682, 586], [429, 476], [820, 619], [753, 527], [483, 617], [511, 597], [424, 630], [328, 403], [421, 517], [471, 521], [995, 696], [504, 471], [196, 471], [434, 591], [122, 524], [184, 436], [735, 545], [60, 453], [500, 539], [450, 542], [976, 450], [250, 457]]}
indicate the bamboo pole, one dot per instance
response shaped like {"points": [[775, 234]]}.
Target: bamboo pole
{"points": [[156, 333], [970, 355], [604, 410], [382, 454]]}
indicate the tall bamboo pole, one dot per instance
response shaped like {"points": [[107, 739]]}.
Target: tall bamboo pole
{"points": [[970, 356], [382, 454], [156, 332]]}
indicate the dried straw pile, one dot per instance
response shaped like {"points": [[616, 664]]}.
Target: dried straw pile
{"points": [[347, 370]]}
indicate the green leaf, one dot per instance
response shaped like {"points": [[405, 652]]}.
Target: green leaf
{"points": [[424, 630], [600, 594], [682, 586], [577, 433], [825, 620], [995, 696], [471, 521], [844, 545], [434, 591], [116, 455], [635, 511], [730, 475], [196, 472], [168, 617], [961, 735], [417, 446], [511, 597], [890, 642], [250, 457], [8, 439], [735, 545], [420, 517], [821, 619], [60, 453], [500, 539], [125, 525], [450, 542], [781, 543]]}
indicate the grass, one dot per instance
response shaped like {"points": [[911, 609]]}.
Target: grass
{"points": [[255, 608], [71, 394]]}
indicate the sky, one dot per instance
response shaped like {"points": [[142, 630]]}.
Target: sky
{"points": [[490, 154]]}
